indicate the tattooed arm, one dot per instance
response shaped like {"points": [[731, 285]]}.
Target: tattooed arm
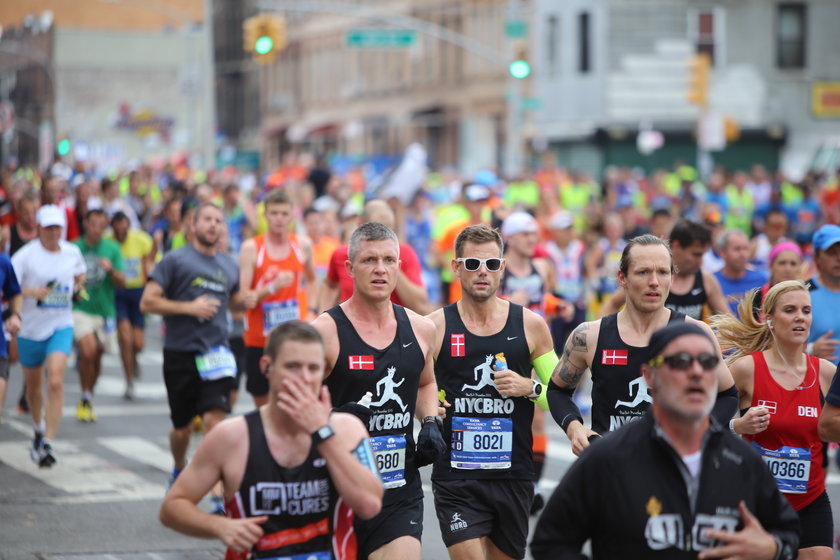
{"points": [[575, 360]]}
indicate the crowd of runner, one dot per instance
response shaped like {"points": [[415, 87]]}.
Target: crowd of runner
{"points": [[472, 305]]}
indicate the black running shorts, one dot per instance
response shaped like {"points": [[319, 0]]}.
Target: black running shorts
{"points": [[401, 516], [188, 395], [817, 524], [255, 381], [497, 509]]}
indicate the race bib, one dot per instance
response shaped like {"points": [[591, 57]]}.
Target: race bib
{"points": [[481, 443], [132, 269], [791, 467], [216, 363], [59, 297], [389, 453], [276, 312]]}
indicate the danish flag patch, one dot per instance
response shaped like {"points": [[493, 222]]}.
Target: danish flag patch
{"points": [[458, 345], [614, 357], [361, 362]]}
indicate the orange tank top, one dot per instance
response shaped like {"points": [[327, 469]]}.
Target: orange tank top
{"points": [[283, 305]]}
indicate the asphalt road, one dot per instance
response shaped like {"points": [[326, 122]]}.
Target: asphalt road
{"points": [[100, 501]]}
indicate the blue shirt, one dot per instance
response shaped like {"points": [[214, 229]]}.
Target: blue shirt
{"points": [[824, 306], [11, 288], [734, 290]]}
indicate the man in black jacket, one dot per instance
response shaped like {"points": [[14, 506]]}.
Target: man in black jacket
{"points": [[674, 483]]}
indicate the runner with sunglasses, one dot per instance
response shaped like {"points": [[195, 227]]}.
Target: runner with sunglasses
{"points": [[676, 483], [485, 348], [614, 347], [781, 389]]}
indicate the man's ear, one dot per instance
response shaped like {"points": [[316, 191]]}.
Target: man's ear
{"points": [[265, 364]]}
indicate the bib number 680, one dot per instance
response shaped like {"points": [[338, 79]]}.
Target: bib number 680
{"points": [[388, 461]]}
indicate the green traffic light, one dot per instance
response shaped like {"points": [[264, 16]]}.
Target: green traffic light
{"points": [[519, 69], [64, 147], [264, 45]]}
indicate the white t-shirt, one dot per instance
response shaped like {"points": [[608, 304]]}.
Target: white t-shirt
{"points": [[36, 267]]}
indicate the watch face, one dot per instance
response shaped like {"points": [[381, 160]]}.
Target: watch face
{"points": [[325, 432]]}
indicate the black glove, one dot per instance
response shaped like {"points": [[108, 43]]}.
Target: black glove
{"points": [[360, 411], [430, 444]]}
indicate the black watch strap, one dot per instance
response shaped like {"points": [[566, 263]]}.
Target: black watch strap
{"points": [[436, 419], [323, 433]]}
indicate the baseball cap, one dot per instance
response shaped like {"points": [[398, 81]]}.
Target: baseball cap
{"points": [[474, 193], [661, 338], [826, 236], [50, 215], [562, 220], [519, 222]]}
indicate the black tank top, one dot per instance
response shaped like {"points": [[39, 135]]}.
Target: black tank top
{"points": [[392, 375], [619, 392], [691, 302], [15, 241], [531, 284], [300, 501], [488, 435]]}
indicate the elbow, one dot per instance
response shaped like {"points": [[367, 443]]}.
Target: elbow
{"points": [[825, 431], [370, 505], [164, 515], [144, 306]]}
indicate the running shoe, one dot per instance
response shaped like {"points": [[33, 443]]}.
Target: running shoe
{"points": [[37, 447], [197, 425], [84, 411], [129, 393], [218, 505], [538, 503], [172, 476], [47, 455]]}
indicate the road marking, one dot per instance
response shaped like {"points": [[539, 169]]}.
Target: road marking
{"points": [[84, 477], [139, 449], [115, 387]]}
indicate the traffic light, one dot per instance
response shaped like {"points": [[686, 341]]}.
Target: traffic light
{"points": [[264, 35], [699, 70], [520, 68], [63, 147]]}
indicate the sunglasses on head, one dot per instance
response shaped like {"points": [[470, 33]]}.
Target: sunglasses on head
{"points": [[682, 361], [472, 264]]}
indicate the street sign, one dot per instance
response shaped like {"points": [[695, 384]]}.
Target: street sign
{"points": [[381, 38], [516, 28]]}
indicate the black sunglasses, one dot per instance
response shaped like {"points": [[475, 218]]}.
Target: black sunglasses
{"points": [[682, 361], [472, 264]]}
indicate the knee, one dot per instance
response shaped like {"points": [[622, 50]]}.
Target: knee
{"points": [[55, 384]]}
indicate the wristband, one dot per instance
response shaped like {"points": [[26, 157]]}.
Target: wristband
{"points": [[732, 426], [436, 419]]}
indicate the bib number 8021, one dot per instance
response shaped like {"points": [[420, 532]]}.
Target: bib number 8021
{"points": [[487, 441], [388, 461]]}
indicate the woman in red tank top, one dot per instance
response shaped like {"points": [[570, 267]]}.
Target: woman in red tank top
{"points": [[781, 392]]}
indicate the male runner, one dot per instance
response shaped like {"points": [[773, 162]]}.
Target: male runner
{"points": [[191, 287], [138, 251], [379, 347], [105, 273], [692, 287], [675, 483], [276, 268], [485, 348], [50, 272], [289, 468], [10, 290], [614, 346]]}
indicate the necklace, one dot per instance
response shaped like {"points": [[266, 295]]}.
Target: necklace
{"points": [[795, 371]]}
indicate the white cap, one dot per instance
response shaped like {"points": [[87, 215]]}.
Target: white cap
{"points": [[519, 222], [51, 215], [562, 220], [474, 193]]}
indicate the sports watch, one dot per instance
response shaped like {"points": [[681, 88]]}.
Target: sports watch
{"points": [[536, 391], [323, 433]]}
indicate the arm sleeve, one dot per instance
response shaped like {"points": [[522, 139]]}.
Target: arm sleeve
{"points": [[726, 405], [565, 524], [563, 409]]}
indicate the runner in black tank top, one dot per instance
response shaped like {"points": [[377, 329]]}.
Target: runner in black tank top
{"points": [[300, 501], [478, 410], [391, 375], [619, 393], [690, 303], [532, 284]]}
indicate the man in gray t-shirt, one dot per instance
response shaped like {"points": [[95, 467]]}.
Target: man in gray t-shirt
{"points": [[192, 287]]}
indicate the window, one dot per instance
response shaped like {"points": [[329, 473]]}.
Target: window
{"points": [[552, 45], [791, 31], [705, 31], [584, 48]]}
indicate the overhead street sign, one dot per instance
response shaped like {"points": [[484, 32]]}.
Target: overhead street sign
{"points": [[381, 38]]}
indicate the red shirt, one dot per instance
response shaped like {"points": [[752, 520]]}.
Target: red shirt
{"points": [[337, 273], [793, 423]]}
